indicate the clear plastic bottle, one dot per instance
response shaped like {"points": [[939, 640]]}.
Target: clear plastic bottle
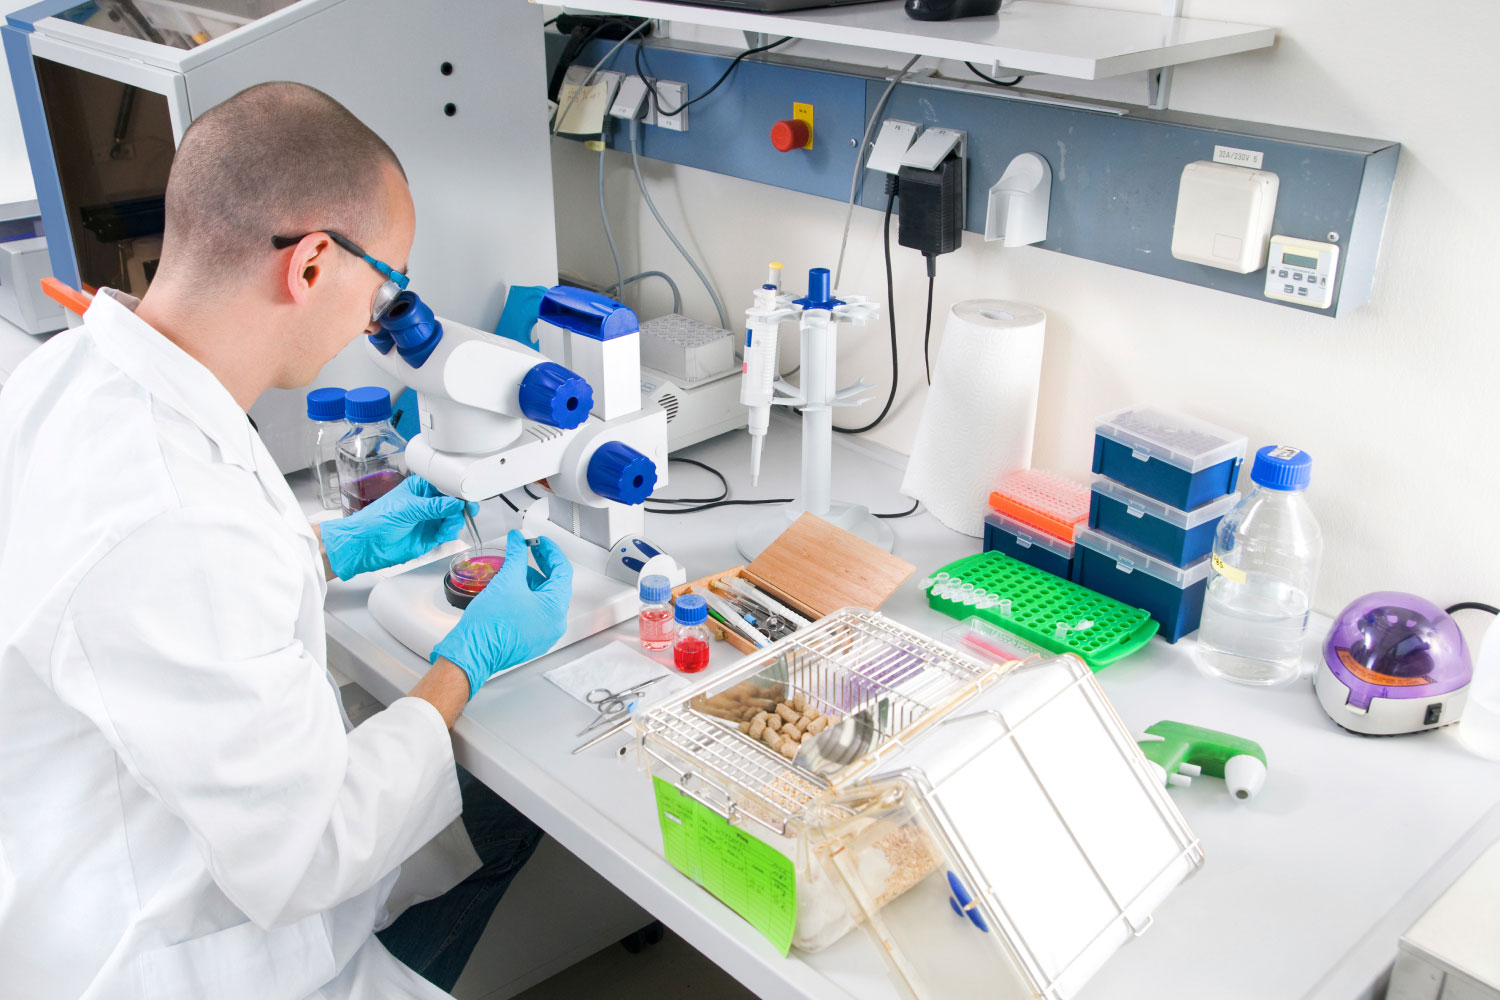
{"points": [[372, 456], [325, 408], [656, 617], [690, 649], [1266, 555]]}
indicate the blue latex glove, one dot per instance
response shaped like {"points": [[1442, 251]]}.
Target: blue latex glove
{"points": [[409, 521], [522, 305], [517, 617]]}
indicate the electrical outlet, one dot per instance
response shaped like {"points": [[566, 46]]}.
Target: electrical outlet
{"points": [[672, 95]]}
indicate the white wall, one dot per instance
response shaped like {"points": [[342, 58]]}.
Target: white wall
{"points": [[1396, 402]]}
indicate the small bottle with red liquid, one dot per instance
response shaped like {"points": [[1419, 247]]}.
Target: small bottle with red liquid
{"points": [[690, 650], [656, 619], [372, 456]]}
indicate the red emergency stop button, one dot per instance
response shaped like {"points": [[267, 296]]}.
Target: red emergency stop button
{"points": [[789, 135]]}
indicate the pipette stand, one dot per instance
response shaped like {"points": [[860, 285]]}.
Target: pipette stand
{"points": [[817, 397]]}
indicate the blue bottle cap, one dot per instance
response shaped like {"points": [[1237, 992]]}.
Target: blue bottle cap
{"points": [[655, 589], [1278, 467], [620, 473], [325, 404], [553, 395], [692, 609], [367, 405]]}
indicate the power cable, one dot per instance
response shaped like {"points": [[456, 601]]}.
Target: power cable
{"points": [[664, 276], [859, 163], [609, 237], [905, 513], [640, 71], [635, 159], [890, 305], [990, 79], [563, 114], [927, 333]]}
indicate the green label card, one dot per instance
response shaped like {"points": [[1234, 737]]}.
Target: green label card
{"points": [[749, 876]]}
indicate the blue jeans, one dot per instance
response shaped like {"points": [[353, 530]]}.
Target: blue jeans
{"points": [[435, 938]]}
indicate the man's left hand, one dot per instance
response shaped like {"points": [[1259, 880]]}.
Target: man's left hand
{"points": [[409, 521]]}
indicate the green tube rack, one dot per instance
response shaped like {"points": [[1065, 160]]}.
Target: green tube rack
{"points": [[1040, 602]]}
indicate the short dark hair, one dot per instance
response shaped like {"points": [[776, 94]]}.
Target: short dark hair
{"points": [[275, 159]]}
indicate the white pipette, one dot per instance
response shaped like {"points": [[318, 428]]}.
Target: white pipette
{"points": [[758, 382]]}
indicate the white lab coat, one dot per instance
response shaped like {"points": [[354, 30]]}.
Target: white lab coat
{"points": [[182, 812]]}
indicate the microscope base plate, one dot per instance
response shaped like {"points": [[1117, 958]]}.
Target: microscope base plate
{"points": [[412, 608]]}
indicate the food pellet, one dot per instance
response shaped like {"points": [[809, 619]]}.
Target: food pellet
{"points": [[791, 732], [799, 701], [773, 722], [817, 725], [788, 714], [744, 727], [788, 748], [757, 728]]}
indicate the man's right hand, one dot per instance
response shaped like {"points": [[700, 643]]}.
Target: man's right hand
{"points": [[517, 617]]}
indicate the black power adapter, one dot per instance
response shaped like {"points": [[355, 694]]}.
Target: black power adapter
{"points": [[932, 208], [932, 211]]}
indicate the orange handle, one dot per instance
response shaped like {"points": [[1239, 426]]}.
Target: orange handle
{"points": [[67, 296]]}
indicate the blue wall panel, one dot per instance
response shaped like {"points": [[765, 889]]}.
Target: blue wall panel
{"points": [[730, 131], [1114, 175]]}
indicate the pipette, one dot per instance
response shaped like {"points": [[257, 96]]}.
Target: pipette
{"points": [[758, 383]]}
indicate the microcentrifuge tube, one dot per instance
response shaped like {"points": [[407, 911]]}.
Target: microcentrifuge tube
{"points": [[1004, 605]]}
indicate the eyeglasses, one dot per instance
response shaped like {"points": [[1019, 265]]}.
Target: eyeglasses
{"points": [[395, 282]]}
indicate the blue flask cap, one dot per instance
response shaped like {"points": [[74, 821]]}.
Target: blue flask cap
{"points": [[618, 472], [553, 395], [368, 404], [326, 404]]}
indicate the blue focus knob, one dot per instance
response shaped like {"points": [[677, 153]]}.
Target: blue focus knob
{"points": [[551, 394], [618, 472], [413, 326]]}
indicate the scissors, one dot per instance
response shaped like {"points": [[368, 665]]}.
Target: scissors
{"points": [[612, 704]]}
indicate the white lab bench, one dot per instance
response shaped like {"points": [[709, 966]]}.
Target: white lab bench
{"points": [[1306, 888]]}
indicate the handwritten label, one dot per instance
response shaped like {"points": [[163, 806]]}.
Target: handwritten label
{"points": [[1238, 157], [1225, 570], [749, 876]]}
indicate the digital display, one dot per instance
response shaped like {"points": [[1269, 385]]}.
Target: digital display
{"points": [[1295, 260]]}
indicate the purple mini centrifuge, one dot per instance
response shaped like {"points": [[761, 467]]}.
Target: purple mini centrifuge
{"points": [[1393, 663]]}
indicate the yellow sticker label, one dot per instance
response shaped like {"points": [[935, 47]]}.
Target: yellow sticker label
{"points": [[1224, 569], [804, 113]]}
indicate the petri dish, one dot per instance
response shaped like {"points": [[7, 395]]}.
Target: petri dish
{"points": [[472, 569]]}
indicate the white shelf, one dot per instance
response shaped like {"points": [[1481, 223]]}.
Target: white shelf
{"points": [[1030, 36]]}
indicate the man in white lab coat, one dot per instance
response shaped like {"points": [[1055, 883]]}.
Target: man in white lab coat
{"points": [[182, 811]]}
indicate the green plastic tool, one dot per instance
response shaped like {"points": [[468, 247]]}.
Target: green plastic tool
{"points": [[1183, 752], [1045, 609]]}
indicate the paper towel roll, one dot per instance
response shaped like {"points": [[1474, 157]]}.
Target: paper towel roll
{"points": [[981, 410]]}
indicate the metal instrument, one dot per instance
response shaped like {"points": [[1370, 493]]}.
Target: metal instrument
{"points": [[614, 706]]}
